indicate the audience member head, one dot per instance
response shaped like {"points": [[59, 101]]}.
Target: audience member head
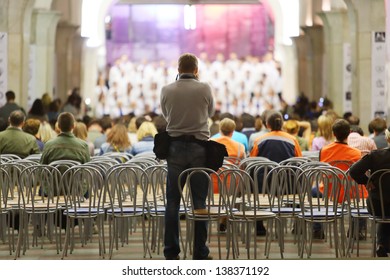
{"points": [[226, 115], [247, 120], [341, 130], [227, 127], [325, 127], [139, 121], [258, 124], [274, 121], [95, 125], [353, 120], [357, 129], [80, 130], [10, 96], [66, 122], [117, 136], [46, 100], [17, 118], [106, 123], [188, 63], [146, 129], [37, 108], [31, 126], [291, 127], [378, 125], [46, 132], [160, 123]]}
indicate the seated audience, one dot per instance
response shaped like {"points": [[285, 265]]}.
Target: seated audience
{"points": [[379, 126], [292, 127], [65, 146], [324, 133], [14, 140], [357, 140], [117, 140], [145, 138], [31, 126], [80, 131]]}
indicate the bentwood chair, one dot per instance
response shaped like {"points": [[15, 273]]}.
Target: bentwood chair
{"points": [[378, 201], [245, 210], [322, 201], [84, 187], [125, 194], [214, 208], [5, 209], [39, 186]]}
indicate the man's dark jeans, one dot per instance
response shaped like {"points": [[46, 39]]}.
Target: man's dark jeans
{"points": [[183, 155]]}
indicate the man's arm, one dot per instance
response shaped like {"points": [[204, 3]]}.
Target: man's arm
{"points": [[358, 170]]}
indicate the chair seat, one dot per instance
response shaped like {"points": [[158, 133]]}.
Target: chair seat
{"points": [[84, 211], [285, 210], [126, 210], [210, 211], [361, 211], [320, 214], [253, 214]]}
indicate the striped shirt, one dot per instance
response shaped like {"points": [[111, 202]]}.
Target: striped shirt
{"points": [[364, 144]]}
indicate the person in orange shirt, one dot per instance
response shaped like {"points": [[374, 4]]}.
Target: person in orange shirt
{"points": [[340, 151], [234, 149]]}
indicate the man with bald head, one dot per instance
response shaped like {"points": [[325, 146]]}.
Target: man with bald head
{"points": [[14, 140]]}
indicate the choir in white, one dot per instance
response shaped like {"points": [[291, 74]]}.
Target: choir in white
{"points": [[249, 85]]}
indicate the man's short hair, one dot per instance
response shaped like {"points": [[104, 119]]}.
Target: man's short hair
{"points": [[16, 118], [187, 63], [227, 126], [247, 120], [66, 122], [10, 95], [341, 129], [378, 125]]}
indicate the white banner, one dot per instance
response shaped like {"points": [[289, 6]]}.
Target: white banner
{"points": [[378, 75], [3, 66], [347, 78]]}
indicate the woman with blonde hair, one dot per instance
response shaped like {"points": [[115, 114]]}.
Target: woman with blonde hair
{"points": [[46, 132], [117, 140], [145, 137], [292, 127], [324, 133], [81, 132]]}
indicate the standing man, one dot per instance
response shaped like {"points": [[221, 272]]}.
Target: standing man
{"points": [[186, 105], [14, 140]]}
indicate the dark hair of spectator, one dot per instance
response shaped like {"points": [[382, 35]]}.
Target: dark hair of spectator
{"points": [[139, 121], [160, 123], [66, 122], [37, 108], [341, 129], [275, 121], [247, 120], [106, 123], [357, 129], [10, 95], [17, 118]]}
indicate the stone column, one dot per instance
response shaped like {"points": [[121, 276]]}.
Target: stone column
{"points": [[44, 30], [65, 36], [334, 26], [364, 17], [310, 61], [18, 17]]}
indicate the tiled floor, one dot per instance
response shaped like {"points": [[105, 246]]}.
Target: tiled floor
{"points": [[134, 250]]}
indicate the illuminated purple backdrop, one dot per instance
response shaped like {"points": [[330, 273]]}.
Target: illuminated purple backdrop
{"points": [[155, 32]]}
